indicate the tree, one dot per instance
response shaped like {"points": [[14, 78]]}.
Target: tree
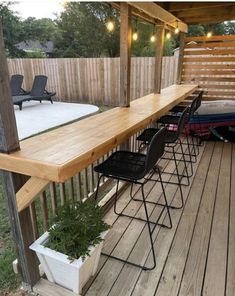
{"points": [[42, 30], [11, 29], [83, 31]]}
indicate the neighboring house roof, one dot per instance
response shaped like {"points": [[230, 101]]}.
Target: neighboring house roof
{"points": [[30, 45]]}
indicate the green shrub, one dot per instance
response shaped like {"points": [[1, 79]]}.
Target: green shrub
{"points": [[75, 228]]}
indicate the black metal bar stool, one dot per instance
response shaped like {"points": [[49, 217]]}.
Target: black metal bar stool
{"points": [[172, 138], [137, 168], [173, 119], [180, 108]]}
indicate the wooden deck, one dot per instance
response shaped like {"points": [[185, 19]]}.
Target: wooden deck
{"points": [[196, 257]]}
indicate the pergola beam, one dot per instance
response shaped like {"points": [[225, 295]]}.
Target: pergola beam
{"points": [[157, 12], [187, 6], [208, 12]]}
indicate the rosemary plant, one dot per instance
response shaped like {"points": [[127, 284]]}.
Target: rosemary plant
{"points": [[76, 227]]}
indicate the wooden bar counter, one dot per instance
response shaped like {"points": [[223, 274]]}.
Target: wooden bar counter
{"points": [[59, 154]]}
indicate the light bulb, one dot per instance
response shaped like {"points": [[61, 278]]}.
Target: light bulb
{"points": [[153, 38], [177, 30], [209, 34], [110, 26], [168, 35], [135, 36]]}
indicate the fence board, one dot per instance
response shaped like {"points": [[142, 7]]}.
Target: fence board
{"points": [[93, 80]]}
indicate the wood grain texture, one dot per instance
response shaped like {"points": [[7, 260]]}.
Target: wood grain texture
{"points": [[93, 81], [29, 191], [46, 288], [155, 11], [230, 284], [160, 37], [125, 54], [215, 278], [210, 61], [181, 56], [21, 225], [192, 280], [61, 153]]}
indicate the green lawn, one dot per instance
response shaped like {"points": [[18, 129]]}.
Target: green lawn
{"points": [[8, 280]]}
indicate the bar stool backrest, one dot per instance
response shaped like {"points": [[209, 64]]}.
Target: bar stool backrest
{"points": [[155, 149], [182, 121], [199, 99]]}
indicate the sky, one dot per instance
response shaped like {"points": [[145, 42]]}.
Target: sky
{"points": [[38, 8]]}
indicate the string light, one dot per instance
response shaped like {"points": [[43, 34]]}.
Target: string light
{"points": [[110, 25], [209, 34], [168, 35], [135, 36], [177, 28], [153, 38]]}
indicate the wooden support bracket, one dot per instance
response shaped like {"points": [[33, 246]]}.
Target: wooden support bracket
{"points": [[29, 191]]}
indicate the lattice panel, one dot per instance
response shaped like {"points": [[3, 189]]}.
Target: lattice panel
{"points": [[210, 62]]}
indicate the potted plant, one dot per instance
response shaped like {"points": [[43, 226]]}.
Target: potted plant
{"points": [[69, 252]]}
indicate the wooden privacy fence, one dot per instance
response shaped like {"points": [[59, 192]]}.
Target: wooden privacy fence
{"points": [[210, 63], [93, 80]]}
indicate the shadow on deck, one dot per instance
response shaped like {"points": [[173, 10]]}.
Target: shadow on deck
{"points": [[196, 256]]}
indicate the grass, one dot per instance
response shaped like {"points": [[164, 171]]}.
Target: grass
{"points": [[8, 279]]}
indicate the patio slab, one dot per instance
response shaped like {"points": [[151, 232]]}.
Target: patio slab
{"points": [[37, 117]]}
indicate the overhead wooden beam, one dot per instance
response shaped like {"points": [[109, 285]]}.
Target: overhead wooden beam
{"points": [[160, 36], [157, 12], [125, 54], [20, 223], [208, 12], [182, 6], [208, 20]]}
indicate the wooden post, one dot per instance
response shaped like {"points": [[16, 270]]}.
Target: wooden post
{"points": [[125, 54], [20, 223], [181, 57], [160, 37]]}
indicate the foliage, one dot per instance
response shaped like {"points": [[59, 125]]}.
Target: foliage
{"points": [[36, 53], [7, 250], [11, 29], [76, 228], [83, 31], [43, 29], [80, 31]]}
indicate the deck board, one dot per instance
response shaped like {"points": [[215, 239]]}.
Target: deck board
{"points": [[202, 238], [230, 285]]}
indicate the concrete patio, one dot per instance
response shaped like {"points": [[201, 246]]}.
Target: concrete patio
{"points": [[37, 117]]}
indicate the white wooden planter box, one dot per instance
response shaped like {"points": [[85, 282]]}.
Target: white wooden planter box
{"points": [[58, 269]]}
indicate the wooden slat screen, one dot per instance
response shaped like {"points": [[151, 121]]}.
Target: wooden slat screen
{"points": [[210, 63]]}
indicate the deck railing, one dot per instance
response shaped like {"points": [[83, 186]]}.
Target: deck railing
{"points": [[78, 188]]}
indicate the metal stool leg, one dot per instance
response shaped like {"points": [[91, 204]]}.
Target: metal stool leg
{"points": [[179, 181]]}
